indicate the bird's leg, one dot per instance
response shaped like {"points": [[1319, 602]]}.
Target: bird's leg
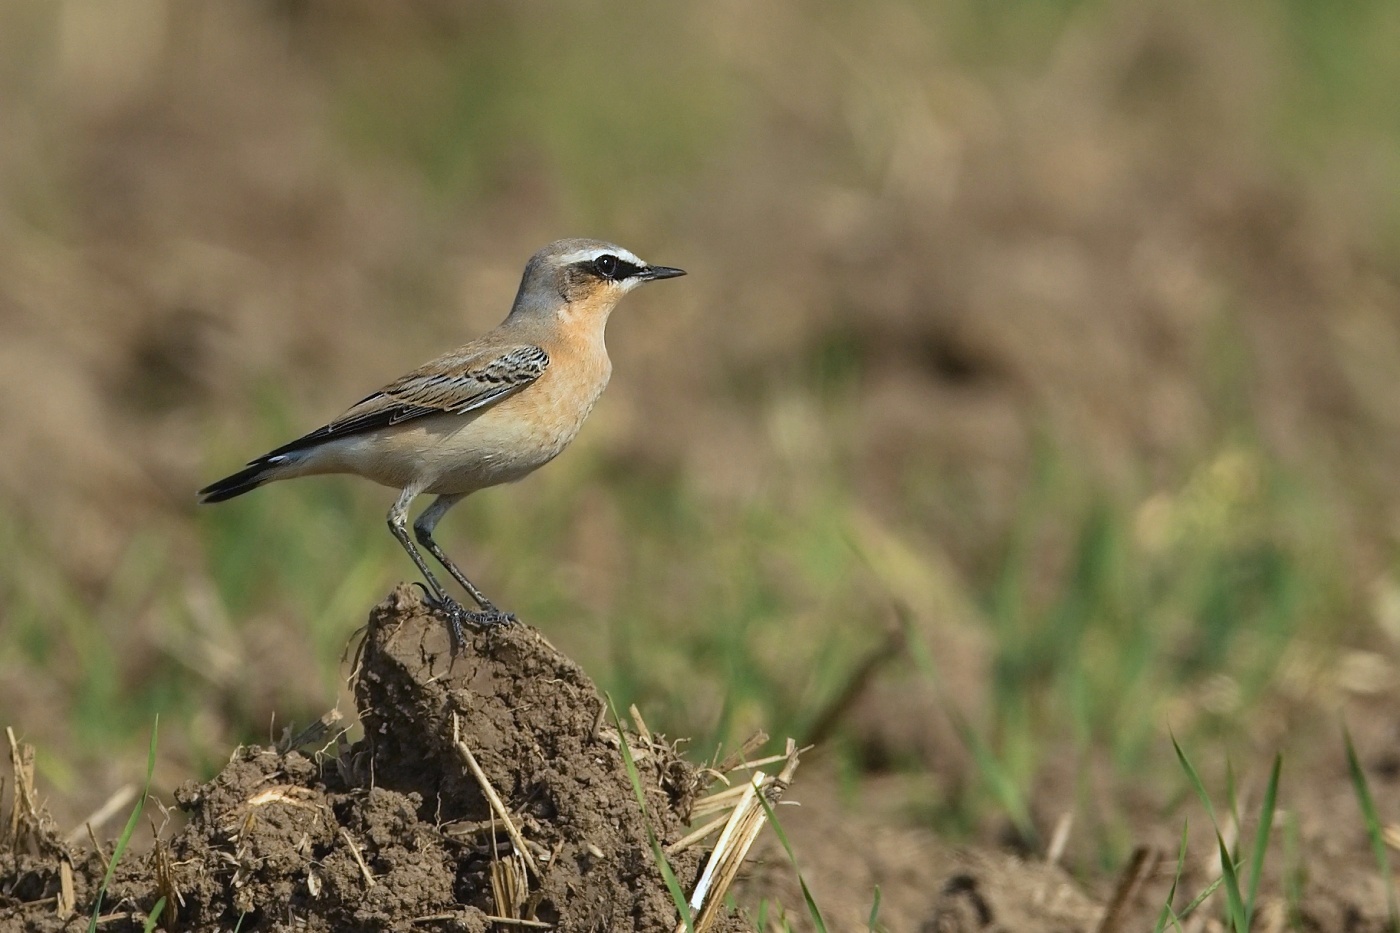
{"points": [[437, 597], [423, 529]]}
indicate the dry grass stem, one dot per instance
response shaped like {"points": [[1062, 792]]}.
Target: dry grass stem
{"points": [[510, 886], [739, 757], [22, 801], [640, 723], [721, 800], [497, 805], [519, 922], [680, 845], [461, 915], [466, 829], [359, 859], [731, 849], [164, 870], [128, 916], [1059, 839], [718, 863], [67, 899], [284, 793], [97, 847], [640, 752], [30, 828], [771, 759], [1141, 864], [740, 831]]}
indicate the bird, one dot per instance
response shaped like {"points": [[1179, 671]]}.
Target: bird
{"points": [[489, 412]]}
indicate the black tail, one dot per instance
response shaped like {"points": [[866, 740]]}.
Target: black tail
{"points": [[245, 480]]}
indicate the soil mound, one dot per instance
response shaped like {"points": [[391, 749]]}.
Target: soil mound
{"points": [[397, 832]]}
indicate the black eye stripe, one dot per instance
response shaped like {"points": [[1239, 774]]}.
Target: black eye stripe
{"points": [[612, 268]]}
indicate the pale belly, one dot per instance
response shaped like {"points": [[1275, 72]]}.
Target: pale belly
{"points": [[458, 454]]}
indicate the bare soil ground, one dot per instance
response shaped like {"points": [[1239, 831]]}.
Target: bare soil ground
{"points": [[928, 886], [395, 832]]}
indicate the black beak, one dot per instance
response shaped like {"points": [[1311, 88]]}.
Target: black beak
{"points": [[659, 272]]}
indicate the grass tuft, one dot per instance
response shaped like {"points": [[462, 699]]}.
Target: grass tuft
{"points": [[125, 838], [1374, 830], [1261, 840], [813, 910], [673, 885], [873, 923], [1240, 906], [1168, 914], [154, 916]]}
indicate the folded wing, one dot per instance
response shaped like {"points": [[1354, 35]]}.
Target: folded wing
{"points": [[456, 383]]}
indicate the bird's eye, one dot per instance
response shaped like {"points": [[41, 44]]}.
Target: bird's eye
{"points": [[606, 266]]}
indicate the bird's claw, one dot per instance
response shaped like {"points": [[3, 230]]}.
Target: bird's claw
{"points": [[455, 613], [492, 618], [460, 617]]}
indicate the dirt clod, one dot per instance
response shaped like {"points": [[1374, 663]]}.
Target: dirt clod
{"points": [[396, 832]]}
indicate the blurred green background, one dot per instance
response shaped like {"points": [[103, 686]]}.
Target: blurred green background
{"points": [[1033, 391]]}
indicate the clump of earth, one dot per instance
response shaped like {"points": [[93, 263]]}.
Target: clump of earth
{"points": [[396, 832]]}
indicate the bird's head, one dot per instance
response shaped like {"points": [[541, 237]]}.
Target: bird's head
{"points": [[583, 276]]}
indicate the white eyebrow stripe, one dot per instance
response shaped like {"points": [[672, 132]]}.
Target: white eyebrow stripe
{"points": [[588, 255]]}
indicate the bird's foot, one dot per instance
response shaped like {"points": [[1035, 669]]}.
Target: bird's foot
{"points": [[491, 617], [459, 617], [455, 614]]}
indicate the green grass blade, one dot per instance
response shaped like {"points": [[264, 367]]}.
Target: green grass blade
{"points": [[1293, 871], [130, 829], [154, 916], [1235, 903], [1373, 825], [1167, 914], [873, 923], [999, 779], [1195, 780], [634, 776], [1234, 900], [815, 912], [1232, 801], [1200, 898], [1261, 839]]}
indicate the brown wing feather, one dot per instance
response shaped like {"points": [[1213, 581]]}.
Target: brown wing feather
{"points": [[449, 384]]}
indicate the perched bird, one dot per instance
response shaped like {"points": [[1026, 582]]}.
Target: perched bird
{"points": [[486, 413]]}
